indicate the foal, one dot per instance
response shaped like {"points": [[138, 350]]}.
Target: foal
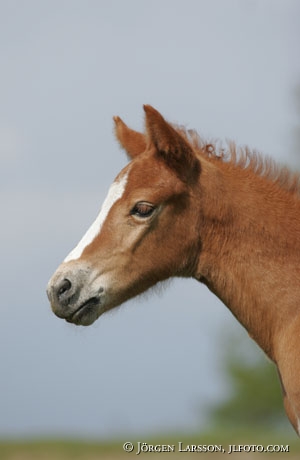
{"points": [[182, 208]]}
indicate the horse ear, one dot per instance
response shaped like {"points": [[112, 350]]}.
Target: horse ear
{"points": [[131, 141], [171, 146]]}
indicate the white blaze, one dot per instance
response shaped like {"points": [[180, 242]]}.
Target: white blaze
{"points": [[115, 193]]}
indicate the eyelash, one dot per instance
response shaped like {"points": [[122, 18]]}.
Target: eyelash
{"points": [[142, 210]]}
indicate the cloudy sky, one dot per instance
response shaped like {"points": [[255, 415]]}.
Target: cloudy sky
{"points": [[228, 68]]}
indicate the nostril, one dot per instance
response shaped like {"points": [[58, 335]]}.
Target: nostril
{"points": [[64, 286]]}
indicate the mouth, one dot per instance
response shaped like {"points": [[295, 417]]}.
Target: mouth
{"points": [[85, 313]]}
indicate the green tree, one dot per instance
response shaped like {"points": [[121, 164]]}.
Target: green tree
{"points": [[254, 399]]}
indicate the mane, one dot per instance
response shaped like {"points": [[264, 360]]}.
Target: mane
{"points": [[243, 158]]}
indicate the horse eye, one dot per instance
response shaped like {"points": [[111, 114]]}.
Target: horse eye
{"points": [[142, 210]]}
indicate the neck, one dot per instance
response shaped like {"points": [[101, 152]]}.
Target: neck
{"points": [[250, 255]]}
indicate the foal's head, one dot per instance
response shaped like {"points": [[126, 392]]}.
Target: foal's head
{"points": [[146, 231]]}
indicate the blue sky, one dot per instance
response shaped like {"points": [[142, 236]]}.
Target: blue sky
{"points": [[227, 68]]}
